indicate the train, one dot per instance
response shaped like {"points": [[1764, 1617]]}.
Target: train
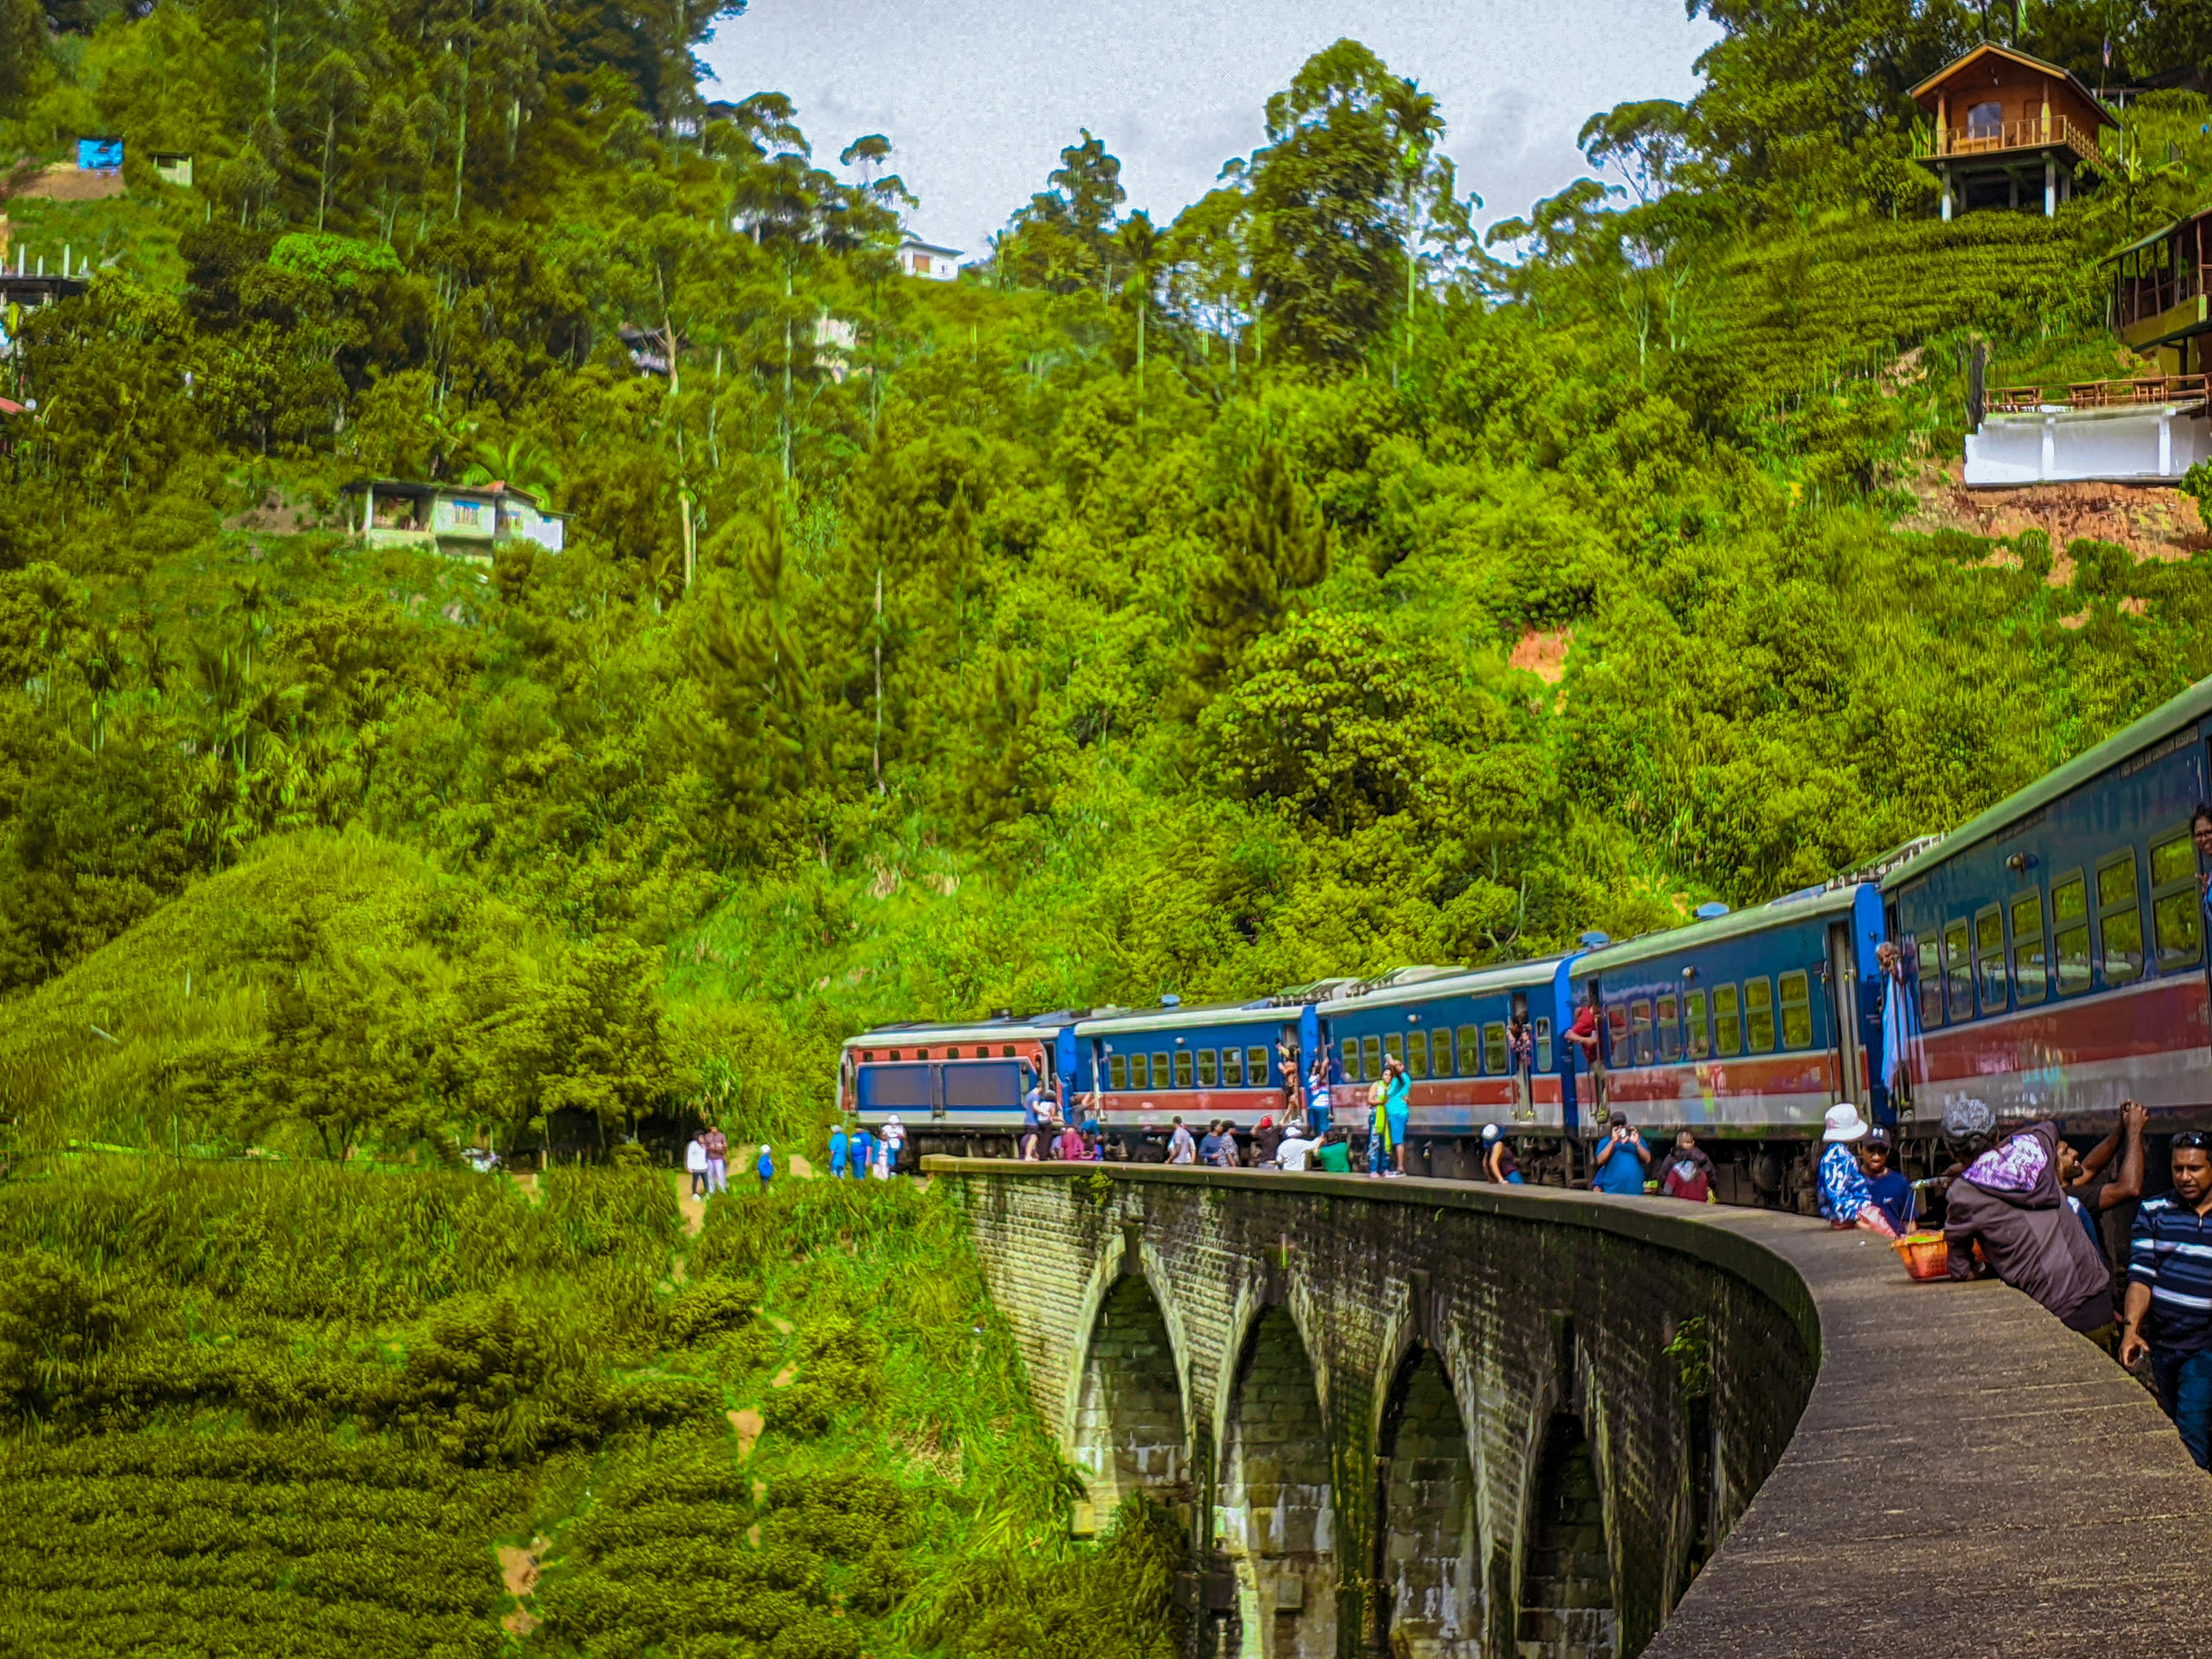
{"points": [[2049, 961]]}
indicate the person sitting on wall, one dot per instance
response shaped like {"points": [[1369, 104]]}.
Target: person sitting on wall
{"points": [[1845, 1199], [1689, 1173], [2008, 1202], [1071, 1145], [1292, 1154], [1333, 1155], [1499, 1162], [1622, 1157]]}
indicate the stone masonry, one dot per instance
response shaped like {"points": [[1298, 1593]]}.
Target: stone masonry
{"points": [[1350, 1388]]}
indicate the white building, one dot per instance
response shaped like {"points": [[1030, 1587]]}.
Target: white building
{"points": [[938, 264], [2127, 431]]}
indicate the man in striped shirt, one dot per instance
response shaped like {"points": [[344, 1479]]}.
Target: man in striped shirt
{"points": [[2169, 1311]]}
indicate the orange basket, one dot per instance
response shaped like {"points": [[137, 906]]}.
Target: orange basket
{"points": [[1925, 1256]]}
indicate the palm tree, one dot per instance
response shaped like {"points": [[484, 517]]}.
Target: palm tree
{"points": [[1140, 242]]}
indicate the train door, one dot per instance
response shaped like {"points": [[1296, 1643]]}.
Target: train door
{"points": [[1849, 1047]]}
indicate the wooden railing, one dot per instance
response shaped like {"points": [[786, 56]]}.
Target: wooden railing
{"points": [[2031, 133], [2155, 292], [2099, 394]]}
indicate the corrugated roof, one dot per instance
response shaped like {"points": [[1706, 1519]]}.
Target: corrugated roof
{"points": [[2161, 723], [1812, 902], [1472, 982]]}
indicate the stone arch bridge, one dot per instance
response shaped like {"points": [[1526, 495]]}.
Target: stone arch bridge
{"points": [[1446, 1421]]}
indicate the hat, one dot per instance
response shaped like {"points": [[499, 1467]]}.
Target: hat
{"points": [[1489, 1134], [1844, 1123], [1877, 1136], [1620, 1118], [1267, 1122], [1965, 1119], [892, 1119]]}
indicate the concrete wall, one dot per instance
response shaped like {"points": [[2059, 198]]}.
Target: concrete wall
{"points": [[2150, 442], [1365, 1377]]}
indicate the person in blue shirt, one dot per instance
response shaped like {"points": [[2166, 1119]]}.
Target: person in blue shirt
{"points": [[863, 1151], [837, 1153], [767, 1166], [1397, 1109], [1891, 1192], [1622, 1157], [2169, 1307]]}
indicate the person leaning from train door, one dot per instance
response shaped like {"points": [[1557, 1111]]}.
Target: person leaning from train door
{"points": [[1520, 1061], [1587, 1035], [1845, 1198], [2008, 1202], [2200, 831], [2169, 1305]]}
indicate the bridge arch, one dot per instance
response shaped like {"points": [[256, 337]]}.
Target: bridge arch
{"points": [[1275, 1514], [1129, 1429], [1429, 1599]]}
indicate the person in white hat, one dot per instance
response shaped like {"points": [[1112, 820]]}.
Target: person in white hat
{"points": [[1845, 1198]]}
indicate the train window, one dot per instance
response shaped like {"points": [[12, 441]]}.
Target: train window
{"points": [[1495, 1058], [1693, 1016], [1543, 1045], [1417, 1054], [1639, 1026], [1670, 1030], [1206, 1072], [2030, 966], [1370, 1058], [1990, 958], [1440, 1052], [1796, 1009], [1232, 1068], [1929, 973], [1393, 1046], [1727, 1022], [1958, 972], [1759, 1015], [1163, 1069], [894, 1054], [1006, 1052], [953, 1054], [2070, 923], [1349, 1049], [1259, 1067], [1616, 1049], [1182, 1070], [1470, 1051], [2175, 900], [2119, 920], [1117, 1073]]}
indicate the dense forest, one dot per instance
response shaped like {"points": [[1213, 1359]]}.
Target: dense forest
{"points": [[1310, 585]]}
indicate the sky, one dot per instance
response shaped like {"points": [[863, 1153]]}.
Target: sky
{"points": [[978, 96]]}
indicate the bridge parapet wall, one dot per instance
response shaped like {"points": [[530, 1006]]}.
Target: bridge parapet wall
{"points": [[1439, 1339]]}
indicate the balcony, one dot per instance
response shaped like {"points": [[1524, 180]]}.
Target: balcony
{"points": [[2029, 134], [2158, 389]]}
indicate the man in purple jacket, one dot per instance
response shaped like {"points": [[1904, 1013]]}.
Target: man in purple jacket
{"points": [[2009, 1202]]}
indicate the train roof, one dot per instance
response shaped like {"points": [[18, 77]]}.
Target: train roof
{"points": [[1260, 1011], [1833, 899], [998, 1025], [2162, 723], [1398, 989]]}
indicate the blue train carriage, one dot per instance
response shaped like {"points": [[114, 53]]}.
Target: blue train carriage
{"points": [[1146, 1070], [2056, 943], [1745, 1028], [957, 1087], [1449, 1027]]}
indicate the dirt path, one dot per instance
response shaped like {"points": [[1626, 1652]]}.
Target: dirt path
{"points": [[749, 1426], [518, 1572]]}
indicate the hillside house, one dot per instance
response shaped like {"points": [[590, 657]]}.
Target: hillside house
{"points": [[2007, 124], [938, 264], [467, 521], [173, 167]]}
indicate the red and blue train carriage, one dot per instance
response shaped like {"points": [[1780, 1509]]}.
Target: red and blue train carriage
{"points": [[1145, 1070], [956, 1087], [2055, 943]]}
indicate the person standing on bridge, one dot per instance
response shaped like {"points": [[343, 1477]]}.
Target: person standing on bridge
{"points": [[1396, 1114], [2169, 1305], [1622, 1157], [1499, 1162], [1181, 1149], [2008, 1201]]}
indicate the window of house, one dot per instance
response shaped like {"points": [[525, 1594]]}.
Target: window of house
{"points": [[2119, 919], [1440, 1052], [1259, 1067], [1796, 1009], [1693, 1016], [1470, 1051], [1543, 1045], [1959, 971], [1232, 1068], [2031, 966], [1207, 1074], [1928, 973], [1417, 1054], [1349, 1049], [2175, 921], [920, 264], [1370, 1058], [1182, 1068], [1670, 1029], [2069, 924], [1496, 1059], [1163, 1069], [1117, 1068], [1985, 120], [1990, 958], [1759, 1015], [1727, 1021], [1639, 1030]]}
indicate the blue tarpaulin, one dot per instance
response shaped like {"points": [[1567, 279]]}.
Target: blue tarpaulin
{"points": [[99, 155]]}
